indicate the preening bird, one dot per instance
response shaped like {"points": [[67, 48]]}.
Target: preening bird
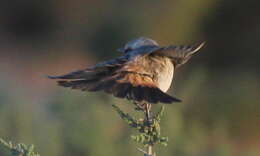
{"points": [[143, 73]]}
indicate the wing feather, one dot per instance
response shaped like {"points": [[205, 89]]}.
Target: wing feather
{"points": [[120, 77], [179, 54], [93, 72]]}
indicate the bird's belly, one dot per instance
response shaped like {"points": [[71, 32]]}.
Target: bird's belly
{"points": [[165, 76]]}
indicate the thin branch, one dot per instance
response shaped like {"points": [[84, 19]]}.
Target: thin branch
{"points": [[148, 122]]}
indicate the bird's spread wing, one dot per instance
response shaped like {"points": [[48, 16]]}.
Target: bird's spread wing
{"points": [[107, 66], [121, 77], [96, 71], [179, 54]]}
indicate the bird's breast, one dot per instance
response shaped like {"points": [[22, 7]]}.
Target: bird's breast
{"points": [[162, 70], [165, 75], [159, 68]]}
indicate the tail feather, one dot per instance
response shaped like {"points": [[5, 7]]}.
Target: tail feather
{"points": [[119, 90], [140, 93]]}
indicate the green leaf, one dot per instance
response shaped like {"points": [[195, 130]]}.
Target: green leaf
{"points": [[19, 149], [127, 118], [159, 114]]}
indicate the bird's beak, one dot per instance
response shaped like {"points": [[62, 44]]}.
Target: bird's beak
{"points": [[121, 50]]}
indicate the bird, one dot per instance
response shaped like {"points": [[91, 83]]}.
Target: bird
{"points": [[143, 73]]}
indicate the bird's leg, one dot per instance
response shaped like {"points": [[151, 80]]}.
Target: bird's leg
{"points": [[146, 108], [140, 106]]}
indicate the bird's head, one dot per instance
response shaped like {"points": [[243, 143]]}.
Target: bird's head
{"points": [[137, 43]]}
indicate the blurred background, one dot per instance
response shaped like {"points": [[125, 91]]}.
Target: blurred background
{"points": [[220, 86]]}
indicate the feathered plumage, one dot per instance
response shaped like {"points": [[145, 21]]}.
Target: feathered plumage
{"points": [[143, 74]]}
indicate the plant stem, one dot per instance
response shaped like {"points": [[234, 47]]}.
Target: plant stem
{"points": [[148, 121], [150, 150]]}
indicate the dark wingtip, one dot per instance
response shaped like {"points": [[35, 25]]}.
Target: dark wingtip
{"points": [[170, 100], [176, 100], [51, 77]]}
